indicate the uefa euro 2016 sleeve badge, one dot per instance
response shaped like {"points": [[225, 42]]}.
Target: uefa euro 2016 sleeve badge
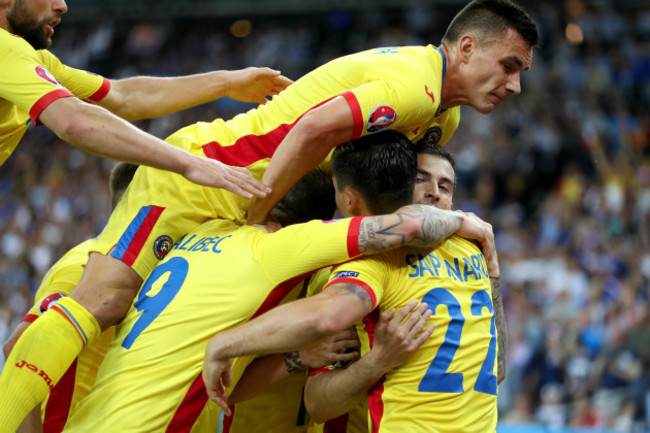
{"points": [[162, 246]]}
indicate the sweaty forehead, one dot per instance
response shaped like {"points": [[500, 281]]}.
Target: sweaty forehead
{"points": [[515, 48]]}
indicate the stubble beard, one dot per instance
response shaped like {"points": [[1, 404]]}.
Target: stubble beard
{"points": [[22, 23]]}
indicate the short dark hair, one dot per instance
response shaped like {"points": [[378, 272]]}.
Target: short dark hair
{"points": [[433, 149], [382, 167], [312, 197], [121, 177], [490, 18]]}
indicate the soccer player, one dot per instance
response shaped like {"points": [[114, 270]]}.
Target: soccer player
{"points": [[332, 393], [220, 275], [35, 87], [434, 185], [478, 63], [448, 384], [413, 90], [59, 281]]}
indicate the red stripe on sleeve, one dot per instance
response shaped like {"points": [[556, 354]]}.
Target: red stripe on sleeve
{"points": [[102, 91], [190, 409], [141, 236], [31, 318], [353, 237], [58, 405], [46, 100], [360, 283], [357, 115]]}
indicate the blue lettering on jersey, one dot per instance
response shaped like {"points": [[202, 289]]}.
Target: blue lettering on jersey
{"points": [[461, 270], [387, 50], [344, 274], [201, 245], [454, 271], [430, 264]]}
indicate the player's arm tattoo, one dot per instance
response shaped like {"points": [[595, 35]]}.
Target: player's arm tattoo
{"points": [[416, 225], [500, 323], [293, 363], [351, 289]]}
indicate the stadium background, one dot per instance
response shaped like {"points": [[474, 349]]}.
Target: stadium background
{"points": [[562, 172]]}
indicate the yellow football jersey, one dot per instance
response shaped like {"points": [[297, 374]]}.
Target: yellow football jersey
{"points": [[220, 275], [449, 384], [388, 88], [32, 79]]}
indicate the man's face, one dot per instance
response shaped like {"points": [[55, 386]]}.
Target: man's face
{"points": [[492, 71], [435, 182], [34, 20]]}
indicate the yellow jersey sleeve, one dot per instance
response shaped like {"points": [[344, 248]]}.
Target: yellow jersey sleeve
{"points": [[300, 248], [84, 85], [371, 273]]}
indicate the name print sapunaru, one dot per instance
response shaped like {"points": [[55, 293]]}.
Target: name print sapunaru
{"points": [[461, 269]]}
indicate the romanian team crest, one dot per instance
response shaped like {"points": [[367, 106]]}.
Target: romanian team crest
{"points": [[162, 246], [44, 74], [48, 301], [381, 117], [433, 135]]}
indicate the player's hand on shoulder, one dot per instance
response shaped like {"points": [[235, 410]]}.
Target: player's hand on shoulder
{"points": [[476, 229], [210, 172], [255, 84]]}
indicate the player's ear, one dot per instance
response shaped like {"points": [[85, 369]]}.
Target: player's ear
{"points": [[353, 201], [467, 44]]}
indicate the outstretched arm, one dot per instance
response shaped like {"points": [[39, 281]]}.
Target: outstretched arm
{"points": [[332, 393], [148, 97], [97, 131]]}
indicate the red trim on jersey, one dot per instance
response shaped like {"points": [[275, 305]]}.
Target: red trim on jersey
{"points": [[358, 283], [190, 409], [44, 101], [102, 91], [279, 293], [353, 237], [58, 310], [60, 401], [336, 425], [227, 420], [376, 404], [357, 115], [251, 148], [31, 318], [142, 235]]}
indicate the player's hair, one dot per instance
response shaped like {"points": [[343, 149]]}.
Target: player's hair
{"points": [[433, 149], [490, 19], [121, 176], [312, 197], [381, 167]]}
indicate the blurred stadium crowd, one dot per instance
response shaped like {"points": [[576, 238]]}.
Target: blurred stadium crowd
{"points": [[562, 172]]}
